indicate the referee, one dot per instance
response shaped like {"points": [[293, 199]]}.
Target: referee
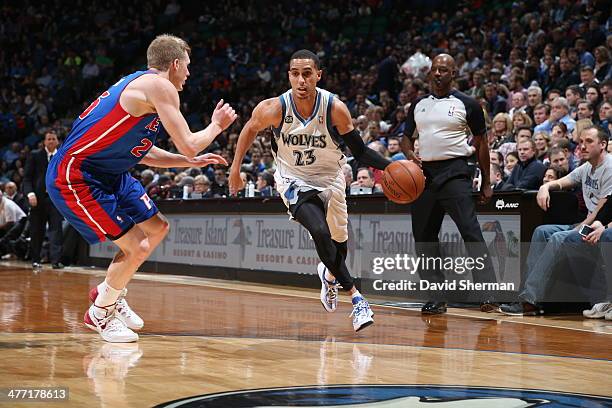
{"points": [[443, 121]]}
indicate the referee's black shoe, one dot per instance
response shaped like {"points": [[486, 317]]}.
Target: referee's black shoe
{"points": [[434, 308]]}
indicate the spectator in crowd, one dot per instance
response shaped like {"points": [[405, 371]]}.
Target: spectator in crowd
{"points": [[265, 184], [559, 112], [573, 95], [553, 173], [510, 161], [534, 98], [528, 173], [201, 187], [12, 222], [365, 180], [603, 67], [595, 177], [42, 209], [584, 110], [394, 149], [519, 103], [502, 130], [219, 186], [559, 157], [520, 120], [496, 177], [496, 157], [347, 170], [495, 103], [559, 131], [592, 95], [542, 143], [587, 78], [11, 192], [541, 114]]}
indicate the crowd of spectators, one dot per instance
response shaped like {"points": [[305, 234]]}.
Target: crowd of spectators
{"points": [[541, 71], [537, 67]]}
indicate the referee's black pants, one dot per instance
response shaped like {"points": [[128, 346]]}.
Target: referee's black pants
{"points": [[449, 191]]}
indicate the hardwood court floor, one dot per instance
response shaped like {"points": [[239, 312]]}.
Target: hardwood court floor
{"points": [[205, 336]]}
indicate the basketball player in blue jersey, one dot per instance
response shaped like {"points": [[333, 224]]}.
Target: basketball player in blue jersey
{"points": [[89, 183], [309, 126]]}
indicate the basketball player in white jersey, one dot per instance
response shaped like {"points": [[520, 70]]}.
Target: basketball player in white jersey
{"points": [[309, 125]]}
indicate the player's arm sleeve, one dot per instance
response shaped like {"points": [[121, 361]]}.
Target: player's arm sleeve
{"points": [[362, 153]]}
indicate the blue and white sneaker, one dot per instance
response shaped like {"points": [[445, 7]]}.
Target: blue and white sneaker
{"points": [[362, 314], [329, 290]]}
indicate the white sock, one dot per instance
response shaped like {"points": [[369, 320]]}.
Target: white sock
{"points": [[356, 294], [107, 295]]}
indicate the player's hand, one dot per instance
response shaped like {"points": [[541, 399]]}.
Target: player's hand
{"points": [[235, 182], [206, 159], [224, 115], [485, 194], [32, 200], [543, 198]]}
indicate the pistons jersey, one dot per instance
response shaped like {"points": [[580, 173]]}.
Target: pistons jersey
{"points": [[107, 140], [307, 149]]}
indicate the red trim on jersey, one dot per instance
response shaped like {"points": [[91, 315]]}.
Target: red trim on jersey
{"points": [[108, 121], [81, 190], [80, 187]]}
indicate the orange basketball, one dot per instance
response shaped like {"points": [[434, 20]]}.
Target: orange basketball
{"points": [[403, 181]]}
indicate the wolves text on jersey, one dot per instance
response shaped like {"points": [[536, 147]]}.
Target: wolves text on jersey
{"points": [[304, 140]]}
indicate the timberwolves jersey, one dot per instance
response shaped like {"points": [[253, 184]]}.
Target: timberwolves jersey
{"points": [[105, 139], [307, 149]]}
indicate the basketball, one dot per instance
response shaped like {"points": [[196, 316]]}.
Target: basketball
{"points": [[403, 181]]}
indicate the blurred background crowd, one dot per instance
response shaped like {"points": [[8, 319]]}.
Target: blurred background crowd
{"points": [[541, 71]]}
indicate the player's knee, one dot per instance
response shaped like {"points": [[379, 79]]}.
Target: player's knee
{"points": [[164, 227], [320, 233]]}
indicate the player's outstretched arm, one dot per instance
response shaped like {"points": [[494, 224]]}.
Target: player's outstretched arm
{"points": [[157, 157], [267, 113], [165, 99], [341, 120]]}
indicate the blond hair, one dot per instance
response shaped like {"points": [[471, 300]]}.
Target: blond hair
{"points": [[164, 49], [502, 116]]}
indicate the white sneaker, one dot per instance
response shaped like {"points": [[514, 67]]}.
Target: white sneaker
{"points": [[329, 290], [362, 315], [608, 315], [598, 310], [110, 328], [124, 311]]}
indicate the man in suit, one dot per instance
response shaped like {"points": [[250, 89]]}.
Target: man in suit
{"points": [[42, 209]]}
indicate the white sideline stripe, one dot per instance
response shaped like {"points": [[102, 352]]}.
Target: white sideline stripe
{"points": [[126, 117], [78, 200], [88, 145]]}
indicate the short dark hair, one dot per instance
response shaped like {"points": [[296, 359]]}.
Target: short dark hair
{"points": [[575, 89], [370, 172], [587, 103], [585, 68], [267, 177], [559, 171], [543, 105], [555, 150], [306, 54], [601, 133], [524, 127]]}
